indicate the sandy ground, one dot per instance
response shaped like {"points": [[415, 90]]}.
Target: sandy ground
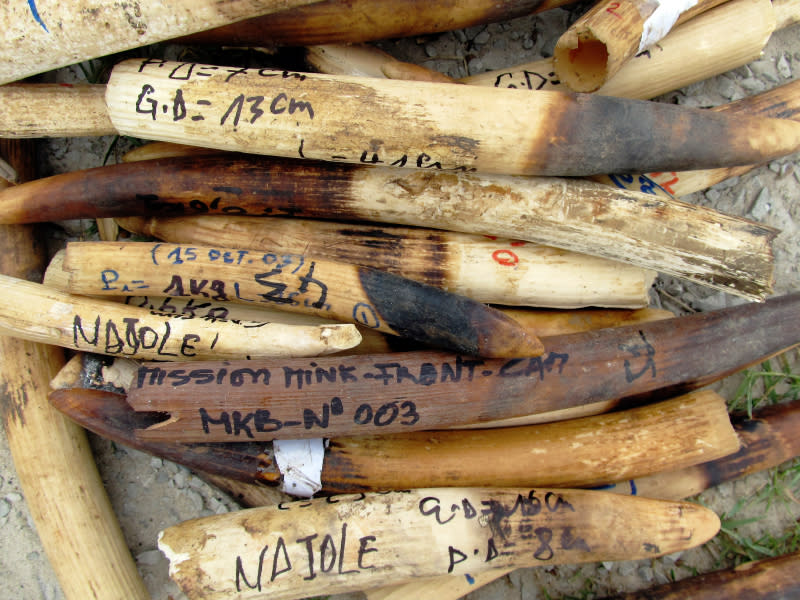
{"points": [[149, 494]]}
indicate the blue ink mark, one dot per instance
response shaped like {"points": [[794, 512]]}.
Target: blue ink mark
{"points": [[611, 486], [470, 578], [646, 185], [35, 13], [608, 486]]}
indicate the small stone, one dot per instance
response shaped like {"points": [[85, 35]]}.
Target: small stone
{"points": [[727, 88], [763, 69], [762, 205], [137, 454], [5, 508], [700, 101], [775, 166], [753, 85], [514, 35], [196, 482], [728, 183], [662, 578], [674, 557], [195, 499], [149, 557], [527, 43], [156, 462], [787, 168], [608, 565], [645, 573], [482, 37], [47, 591], [475, 65], [783, 67], [180, 479], [13, 497], [430, 50], [460, 35], [715, 301], [712, 195], [674, 287]]}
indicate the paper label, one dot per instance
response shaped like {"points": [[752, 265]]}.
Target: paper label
{"points": [[657, 25], [300, 463]]}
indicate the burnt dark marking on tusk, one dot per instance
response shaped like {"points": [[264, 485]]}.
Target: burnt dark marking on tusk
{"points": [[442, 319]]}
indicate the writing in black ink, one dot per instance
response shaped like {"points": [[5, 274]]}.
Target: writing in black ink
{"points": [[130, 337], [309, 556], [644, 354]]}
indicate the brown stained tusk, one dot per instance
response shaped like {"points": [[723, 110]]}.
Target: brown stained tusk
{"points": [[296, 283], [155, 150], [561, 322], [765, 440], [348, 21], [575, 453], [782, 102], [58, 34], [495, 271], [38, 313], [107, 414], [315, 116], [387, 538], [596, 46], [758, 580], [333, 396], [431, 458], [584, 452], [669, 236]]}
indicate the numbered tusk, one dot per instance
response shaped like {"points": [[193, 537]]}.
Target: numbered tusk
{"points": [[37, 313], [338, 544], [495, 271], [428, 125], [293, 398], [296, 283]]}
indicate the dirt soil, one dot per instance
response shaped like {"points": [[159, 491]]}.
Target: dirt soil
{"points": [[149, 494]]}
